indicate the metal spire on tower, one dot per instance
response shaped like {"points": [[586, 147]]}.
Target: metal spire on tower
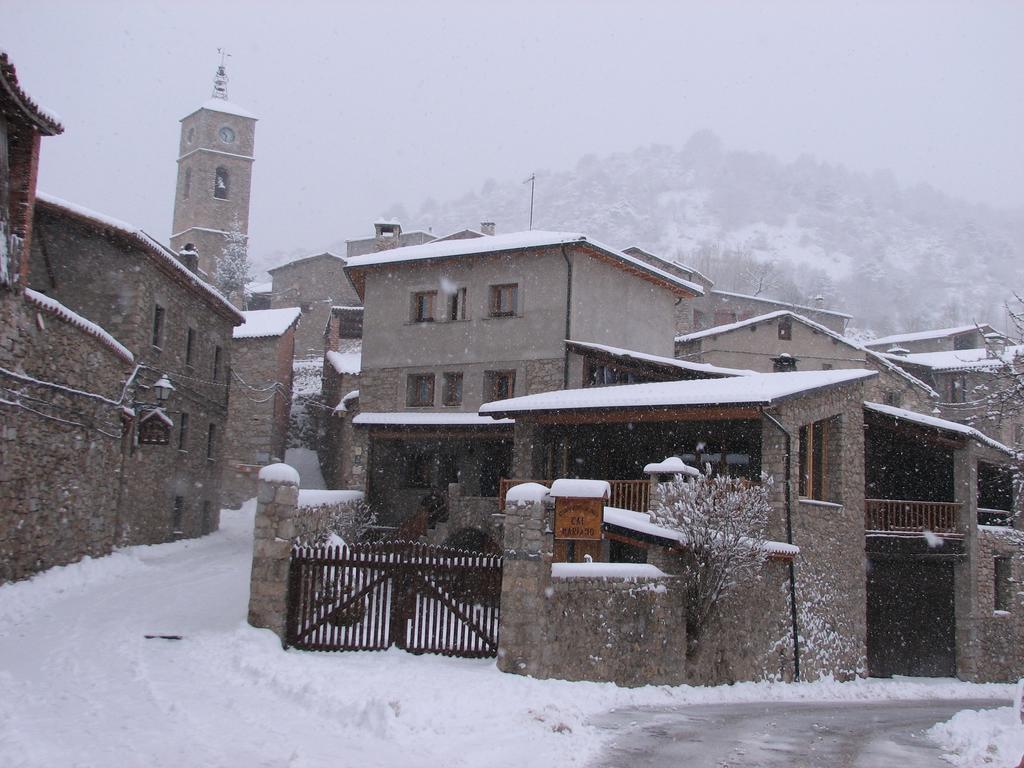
{"points": [[220, 80]]}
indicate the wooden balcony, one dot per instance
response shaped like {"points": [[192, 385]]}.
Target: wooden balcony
{"points": [[634, 495], [903, 516]]}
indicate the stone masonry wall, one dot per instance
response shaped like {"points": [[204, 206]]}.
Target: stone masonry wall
{"points": [[59, 475], [999, 652], [275, 528], [627, 631], [314, 285]]}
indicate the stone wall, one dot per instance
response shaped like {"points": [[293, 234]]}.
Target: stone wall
{"points": [[627, 631], [61, 449], [112, 278], [275, 528], [999, 654], [480, 512]]}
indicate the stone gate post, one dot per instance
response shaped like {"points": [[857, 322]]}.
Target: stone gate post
{"points": [[277, 500]]}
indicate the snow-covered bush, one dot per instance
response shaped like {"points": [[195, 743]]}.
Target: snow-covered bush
{"points": [[338, 524], [723, 521]]}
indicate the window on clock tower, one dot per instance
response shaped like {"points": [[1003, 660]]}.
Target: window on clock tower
{"points": [[221, 184]]}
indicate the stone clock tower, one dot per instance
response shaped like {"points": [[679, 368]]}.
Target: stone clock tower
{"points": [[215, 159]]}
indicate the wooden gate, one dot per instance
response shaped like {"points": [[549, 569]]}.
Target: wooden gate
{"points": [[423, 598]]}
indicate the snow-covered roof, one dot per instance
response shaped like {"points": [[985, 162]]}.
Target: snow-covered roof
{"points": [[161, 253], [757, 389], [54, 307], [254, 288], [685, 365], [882, 360], [958, 360], [932, 421], [227, 107], [47, 122], [640, 522], [345, 362], [671, 262], [311, 257], [936, 333], [511, 242], [432, 418], [263, 323], [342, 405], [781, 303], [607, 571], [160, 415]]}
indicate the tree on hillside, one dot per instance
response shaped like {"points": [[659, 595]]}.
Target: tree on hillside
{"points": [[723, 521], [233, 268]]}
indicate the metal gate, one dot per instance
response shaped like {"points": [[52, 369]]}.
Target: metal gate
{"points": [[423, 598]]}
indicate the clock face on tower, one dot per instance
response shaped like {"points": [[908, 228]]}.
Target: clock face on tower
{"points": [[226, 135]]}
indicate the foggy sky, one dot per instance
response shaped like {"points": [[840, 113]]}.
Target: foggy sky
{"points": [[363, 105]]}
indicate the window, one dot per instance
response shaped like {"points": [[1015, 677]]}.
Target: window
{"points": [[784, 363], [893, 398], [964, 341], [211, 440], [499, 385], [216, 363], [420, 390], [221, 183], [457, 305], [1018, 434], [178, 516], [785, 328], [188, 184], [814, 460], [826, 366], [606, 375], [183, 432], [958, 389], [190, 347], [1003, 584], [452, 392], [423, 306], [504, 300], [158, 326], [700, 320]]}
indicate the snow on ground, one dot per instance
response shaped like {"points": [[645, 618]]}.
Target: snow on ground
{"points": [[988, 737], [82, 686]]}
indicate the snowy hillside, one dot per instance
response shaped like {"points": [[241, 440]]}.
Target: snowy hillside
{"points": [[895, 258]]}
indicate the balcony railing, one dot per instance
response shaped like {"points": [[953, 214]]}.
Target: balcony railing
{"points": [[634, 495], [903, 516]]}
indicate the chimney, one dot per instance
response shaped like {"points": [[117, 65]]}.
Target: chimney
{"points": [[189, 256], [388, 234], [819, 301], [487, 227]]}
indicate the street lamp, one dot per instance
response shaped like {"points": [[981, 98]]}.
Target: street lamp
{"points": [[163, 388]]}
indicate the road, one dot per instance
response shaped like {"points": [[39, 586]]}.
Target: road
{"points": [[770, 735]]}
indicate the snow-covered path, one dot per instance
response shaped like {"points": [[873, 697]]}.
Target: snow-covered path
{"points": [[81, 686]]}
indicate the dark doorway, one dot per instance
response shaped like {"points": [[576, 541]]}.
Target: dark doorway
{"points": [[911, 618]]}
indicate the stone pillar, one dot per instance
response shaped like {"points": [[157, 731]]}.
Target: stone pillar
{"points": [[965, 573], [277, 500], [525, 585]]}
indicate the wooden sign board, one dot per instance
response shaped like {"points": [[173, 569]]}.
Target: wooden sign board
{"points": [[579, 519], [154, 432]]}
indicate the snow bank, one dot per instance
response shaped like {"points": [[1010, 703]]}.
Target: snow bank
{"points": [[672, 465], [279, 473], [987, 737]]}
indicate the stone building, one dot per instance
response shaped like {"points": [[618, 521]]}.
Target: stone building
{"points": [[215, 157], [61, 382], [786, 341], [453, 324], [176, 326], [314, 284], [260, 397], [963, 337], [919, 504], [387, 233], [341, 459]]}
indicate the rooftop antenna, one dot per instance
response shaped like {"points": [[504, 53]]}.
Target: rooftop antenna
{"points": [[220, 80], [532, 180]]}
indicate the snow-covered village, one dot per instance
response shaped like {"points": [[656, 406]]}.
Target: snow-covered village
{"points": [[692, 434]]}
